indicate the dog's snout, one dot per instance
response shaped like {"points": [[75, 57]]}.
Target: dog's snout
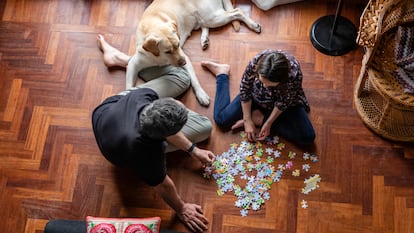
{"points": [[182, 62]]}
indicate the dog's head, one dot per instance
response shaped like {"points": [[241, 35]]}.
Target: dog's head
{"points": [[164, 44]]}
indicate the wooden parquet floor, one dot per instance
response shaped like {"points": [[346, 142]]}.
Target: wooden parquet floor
{"points": [[52, 77]]}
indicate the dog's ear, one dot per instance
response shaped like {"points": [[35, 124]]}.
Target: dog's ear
{"points": [[175, 29], [151, 45]]}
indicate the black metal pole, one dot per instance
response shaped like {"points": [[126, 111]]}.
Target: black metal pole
{"points": [[337, 15]]}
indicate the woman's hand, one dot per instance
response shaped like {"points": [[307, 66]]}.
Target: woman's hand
{"points": [[264, 131], [267, 125], [250, 130]]}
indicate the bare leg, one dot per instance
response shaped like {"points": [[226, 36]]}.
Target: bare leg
{"points": [[111, 55], [216, 68]]}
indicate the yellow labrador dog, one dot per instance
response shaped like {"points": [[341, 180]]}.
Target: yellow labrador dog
{"points": [[165, 26]]}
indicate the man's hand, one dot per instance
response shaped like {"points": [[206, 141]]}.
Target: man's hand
{"points": [[206, 157], [192, 216]]}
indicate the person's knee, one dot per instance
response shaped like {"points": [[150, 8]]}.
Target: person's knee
{"points": [[207, 127], [222, 123], [198, 128], [185, 81], [203, 134], [183, 76], [218, 120], [307, 139]]}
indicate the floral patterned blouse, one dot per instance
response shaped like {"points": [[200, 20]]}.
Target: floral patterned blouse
{"points": [[281, 96]]}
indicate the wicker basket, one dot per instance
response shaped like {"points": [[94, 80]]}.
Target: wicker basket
{"points": [[370, 22], [379, 98]]}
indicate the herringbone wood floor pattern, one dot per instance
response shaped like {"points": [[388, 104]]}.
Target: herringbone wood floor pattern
{"points": [[52, 77]]}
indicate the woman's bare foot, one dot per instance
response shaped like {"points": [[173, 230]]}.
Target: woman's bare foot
{"points": [[238, 124], [111, 55], [216, 68], [257, 118]]}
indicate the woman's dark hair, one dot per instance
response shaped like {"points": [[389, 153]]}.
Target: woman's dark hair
{"points": [[274, 67], [162, 118]]}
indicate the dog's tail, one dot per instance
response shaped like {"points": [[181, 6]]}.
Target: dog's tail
{"points": [[228, 6]]}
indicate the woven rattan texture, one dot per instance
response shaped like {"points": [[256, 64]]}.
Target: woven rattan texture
{"points": [[379, 98], [370, 22], [399, 14]]}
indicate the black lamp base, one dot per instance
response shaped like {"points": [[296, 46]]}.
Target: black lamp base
{"points": [[336, 43]]}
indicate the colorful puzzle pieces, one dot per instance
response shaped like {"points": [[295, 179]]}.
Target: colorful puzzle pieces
{"points": [[249, 170]]}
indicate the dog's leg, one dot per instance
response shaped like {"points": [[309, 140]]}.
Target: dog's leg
{"points": [[132, 71], [205, 41], [184, 38], [221, 18], [201, 95], [240, 15], [228, 6]]}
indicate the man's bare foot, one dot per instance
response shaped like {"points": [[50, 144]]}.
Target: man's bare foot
{"points": [[216, 68], [111, 55]]}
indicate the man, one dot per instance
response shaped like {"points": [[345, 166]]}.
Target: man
{"points": [[133, 127]]}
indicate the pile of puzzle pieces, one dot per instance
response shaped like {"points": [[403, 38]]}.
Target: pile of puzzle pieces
{"points": [[248, 170]]}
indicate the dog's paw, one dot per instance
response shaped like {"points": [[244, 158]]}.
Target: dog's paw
{"points": [[205, 43], [258, 28], [203, 98]]}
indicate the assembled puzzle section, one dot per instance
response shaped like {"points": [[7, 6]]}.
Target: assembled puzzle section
{"points": [[248, 169]]}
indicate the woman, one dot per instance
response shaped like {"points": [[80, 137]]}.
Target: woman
{"points": [[271, 97]]}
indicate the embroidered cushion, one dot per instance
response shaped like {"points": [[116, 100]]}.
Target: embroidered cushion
{"points": [[122, 225]]}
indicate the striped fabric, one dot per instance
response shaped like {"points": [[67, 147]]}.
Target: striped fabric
{"points": [[406, 79], [404, 58]]}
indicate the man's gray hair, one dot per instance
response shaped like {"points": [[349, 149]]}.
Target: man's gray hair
{"points": [[162, 118]]}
